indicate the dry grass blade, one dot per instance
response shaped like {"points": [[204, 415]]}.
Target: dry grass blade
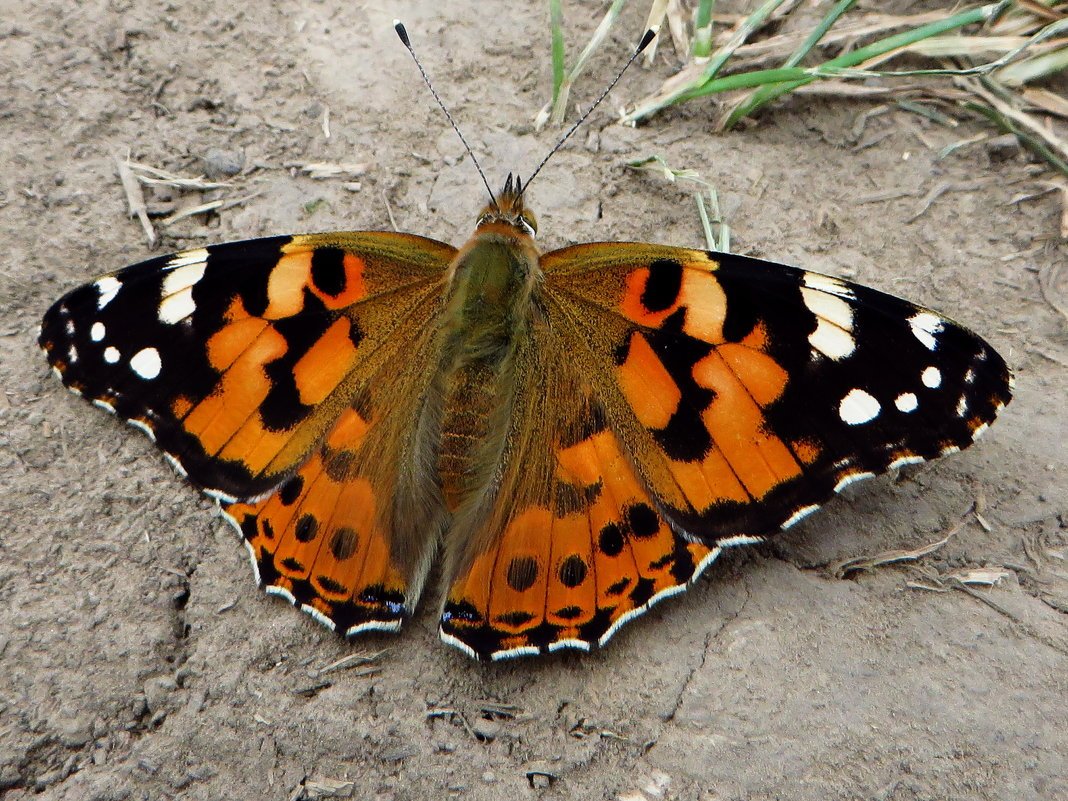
{"points": [[154, 176], [555, 110], [1008, 111], [315, 789], [1045, 100], [204, 208], [1050, 277], [135, 198], [847, 566], [330, 169], [350, 661]]}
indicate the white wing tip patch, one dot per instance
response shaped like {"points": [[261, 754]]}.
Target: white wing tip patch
{"points": [[829, 284], [107, 288], [926, 327]]}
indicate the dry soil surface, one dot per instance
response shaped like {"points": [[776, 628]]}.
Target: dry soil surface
{"points": [[137, 660]]}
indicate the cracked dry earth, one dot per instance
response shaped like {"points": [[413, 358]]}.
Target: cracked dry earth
{"points": [[138, 661]]}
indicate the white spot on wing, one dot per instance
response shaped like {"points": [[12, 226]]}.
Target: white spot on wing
{"points": [[574, 645], [379, 625], [906, 402], [832, 286], [146, 363], [111, 354], [931, 377], [962, 406], [858, 407], [738, 539], [185, 270], [219, 495], [175, 308], [980, 430], [926, 327], [523, 650], [176, 465], [186, 257], [834, 323], [448, 639], [142, 426], [107, 287], [97, 332]]}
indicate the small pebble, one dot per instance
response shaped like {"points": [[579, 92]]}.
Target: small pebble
{"points": [[218, 163]]}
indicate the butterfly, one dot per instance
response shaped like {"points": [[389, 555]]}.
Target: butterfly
{"points": [[572, 435]]}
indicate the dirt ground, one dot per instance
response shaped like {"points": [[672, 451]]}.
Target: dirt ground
{"points": [[137, 660]]}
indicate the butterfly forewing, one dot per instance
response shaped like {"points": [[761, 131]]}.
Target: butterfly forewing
{"points": [[747, 392]]}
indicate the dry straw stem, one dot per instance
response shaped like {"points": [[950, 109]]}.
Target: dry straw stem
{"points": [[847, 566], [135, 198]]}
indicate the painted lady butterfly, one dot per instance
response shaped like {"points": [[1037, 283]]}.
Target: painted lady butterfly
{"points": [[575, 434]]}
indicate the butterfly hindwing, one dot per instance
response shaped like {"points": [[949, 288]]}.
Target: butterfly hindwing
{"points": [[748, 392]]}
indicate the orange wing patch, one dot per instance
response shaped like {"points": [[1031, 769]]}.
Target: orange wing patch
{"points": [[698, 388], [571, 575], [316, 543]]}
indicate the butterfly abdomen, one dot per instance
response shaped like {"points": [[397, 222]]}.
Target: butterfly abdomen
{"points": [[486, 315]]}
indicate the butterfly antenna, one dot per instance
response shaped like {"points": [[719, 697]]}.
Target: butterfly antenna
{"points": [[398, 26], [644, 43]]}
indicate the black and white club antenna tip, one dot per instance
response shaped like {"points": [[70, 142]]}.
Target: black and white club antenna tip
{"points": [[398, 26]]}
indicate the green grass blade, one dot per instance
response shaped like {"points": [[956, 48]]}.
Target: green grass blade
{"points": [[556, 24], [702, 35], [840, 65], [768, 93]]}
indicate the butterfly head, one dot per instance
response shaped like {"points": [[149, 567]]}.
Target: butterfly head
{"points": [[507, 208]]}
